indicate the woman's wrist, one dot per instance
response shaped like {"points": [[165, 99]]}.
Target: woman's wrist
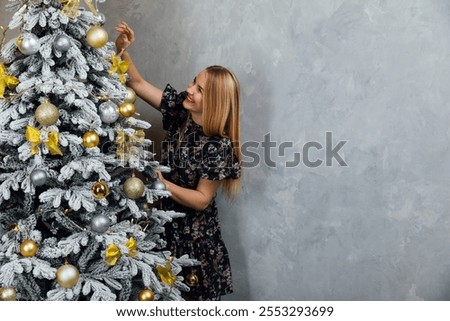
{"points": [[121, 52], [168, 185]]}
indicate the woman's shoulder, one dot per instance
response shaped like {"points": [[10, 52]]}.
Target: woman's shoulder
{"points": [[174, 115], [172, 97]]}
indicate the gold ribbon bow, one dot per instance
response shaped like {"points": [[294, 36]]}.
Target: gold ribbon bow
{"points": [[33, 136], [113, 254], [6, 81], [132, 247], [125, 142], [165, 274], [119, 66], [71, 7]]}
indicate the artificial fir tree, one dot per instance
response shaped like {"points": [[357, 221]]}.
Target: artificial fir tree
{"points": [[75, 221]]}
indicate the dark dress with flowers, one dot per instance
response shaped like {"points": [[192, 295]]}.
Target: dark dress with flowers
{"points": [[191, 156]]}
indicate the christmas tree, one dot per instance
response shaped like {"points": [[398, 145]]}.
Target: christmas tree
{"points": [[78, 184]]}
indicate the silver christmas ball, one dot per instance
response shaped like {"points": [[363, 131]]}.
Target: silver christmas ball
{"points": [[158, 185], [62, 43], [131, 96], [67, 276], [108, 112], [100, 223], [28, 44], [38, 177]]}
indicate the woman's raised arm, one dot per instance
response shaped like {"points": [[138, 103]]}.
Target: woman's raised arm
{"points": [[143, 88]]}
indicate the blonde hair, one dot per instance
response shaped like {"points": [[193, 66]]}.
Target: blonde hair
{"points": [[221, 104]]}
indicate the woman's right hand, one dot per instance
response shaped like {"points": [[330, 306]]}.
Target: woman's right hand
{"points": [[126, 37]]}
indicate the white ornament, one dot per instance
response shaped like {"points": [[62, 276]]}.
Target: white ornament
{"points": [[28, 44], [108, 112]]}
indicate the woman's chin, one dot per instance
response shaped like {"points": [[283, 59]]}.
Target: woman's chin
{"points": [[187, 105]]}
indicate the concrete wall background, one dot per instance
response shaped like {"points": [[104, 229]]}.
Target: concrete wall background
{"points": [[374, 73]]}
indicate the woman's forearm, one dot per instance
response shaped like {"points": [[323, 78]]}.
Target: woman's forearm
{"points": [[143, 88], [197, 199], [135, 76]]}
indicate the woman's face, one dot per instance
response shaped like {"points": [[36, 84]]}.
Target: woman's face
{"points": [[195, 91]]}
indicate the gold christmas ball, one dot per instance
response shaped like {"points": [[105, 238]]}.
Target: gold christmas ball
{"points": [[7, 294], [133, 188], [46, 114], [67, 276], [91, 139], [96, 37], [192, 279], [127, 109], [100, 190], [131, 96], [28, 248], [146, 295]]}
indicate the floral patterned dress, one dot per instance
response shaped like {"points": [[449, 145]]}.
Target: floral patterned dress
{"points": [[191, 155]]}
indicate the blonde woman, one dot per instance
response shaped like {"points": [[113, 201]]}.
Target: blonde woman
{"points": [[202, 149]]}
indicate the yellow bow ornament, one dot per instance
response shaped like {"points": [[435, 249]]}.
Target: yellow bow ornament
{"points": [[125, 142], [113, 254], [33, 136], [165, 274], [6, 81], [71, 7], [119, 66]]}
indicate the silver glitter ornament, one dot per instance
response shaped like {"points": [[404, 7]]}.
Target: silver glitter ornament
{"points": [[47, 114], [158, 185], [134, 188], [100, 223], [38, 177], [62, 43], [108, 112], [28, 44]]}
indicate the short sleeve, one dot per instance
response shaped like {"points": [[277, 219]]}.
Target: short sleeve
{"points": [[172, 108], [219, 161]]}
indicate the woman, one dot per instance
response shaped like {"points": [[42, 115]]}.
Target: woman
{"points": [[203, 152]]}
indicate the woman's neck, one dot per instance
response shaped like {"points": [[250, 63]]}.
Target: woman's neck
{"points": [[197, 118]]}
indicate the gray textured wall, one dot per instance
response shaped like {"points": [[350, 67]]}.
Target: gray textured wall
{"points": [[375, 73]]}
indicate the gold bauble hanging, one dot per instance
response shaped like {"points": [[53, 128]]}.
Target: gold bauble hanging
{"points": [[28, 248], [100, 190], [96, 37], [7, 294], [131, 96], [67, 276], [134, 188], [127, 109], [192, 279], [146, 295], [46, 114], [91, 139]]}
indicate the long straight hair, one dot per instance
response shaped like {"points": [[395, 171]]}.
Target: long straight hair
{"points": [[221, 105]]}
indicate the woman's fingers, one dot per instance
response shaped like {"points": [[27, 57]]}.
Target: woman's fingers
{"points": [[126, 30], [131, 34]]}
